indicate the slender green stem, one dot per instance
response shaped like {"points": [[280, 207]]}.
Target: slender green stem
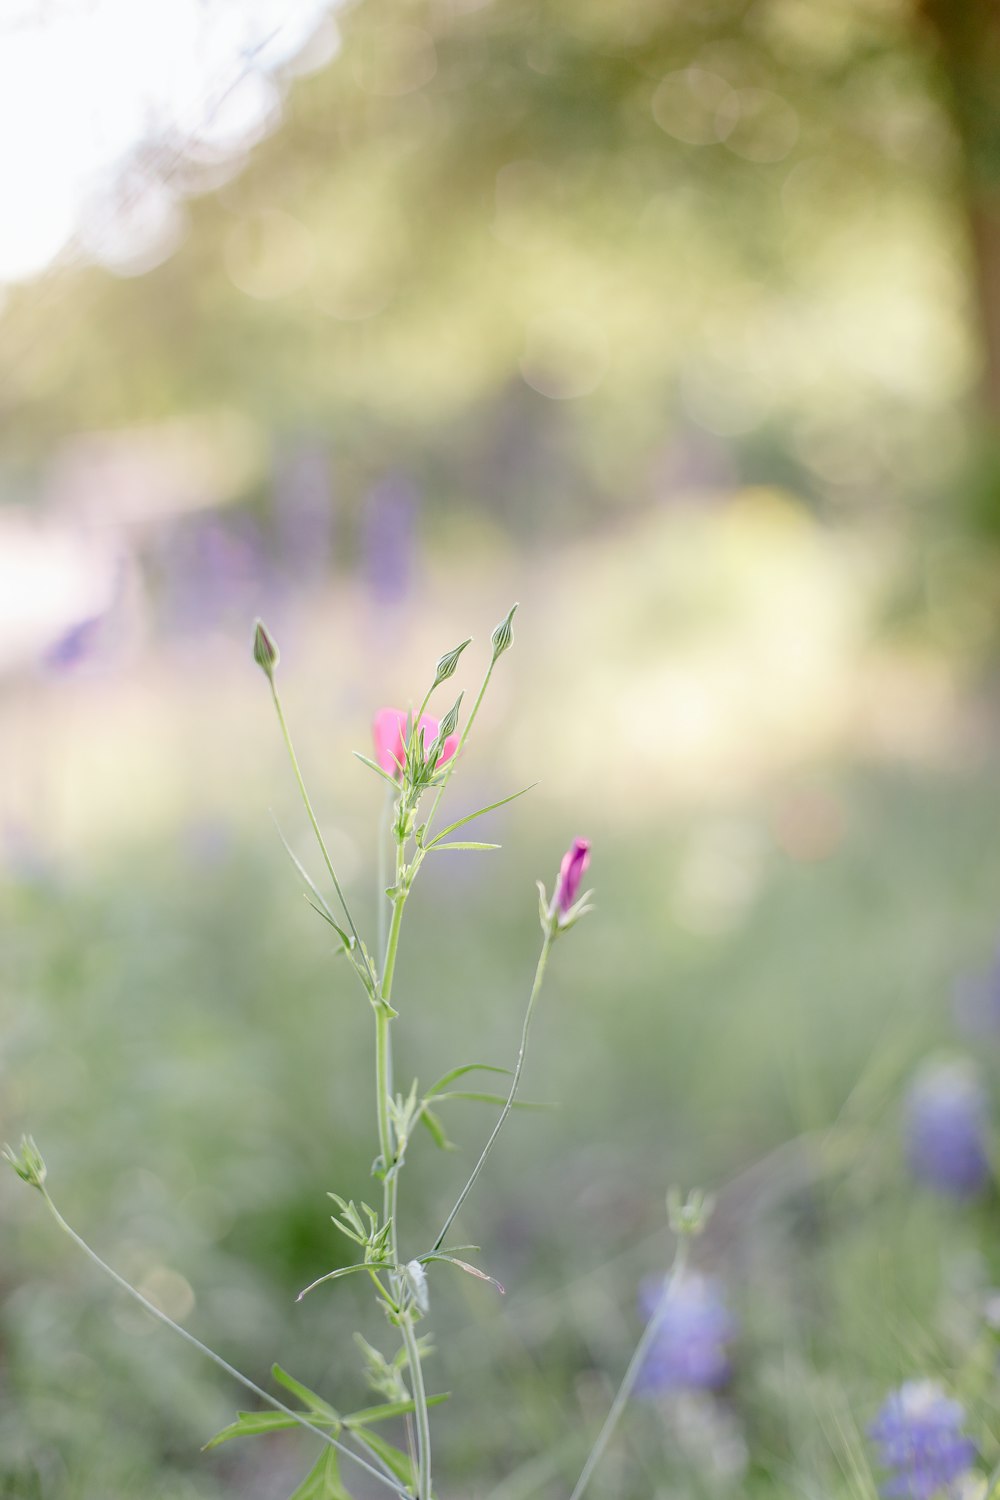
{"points": [[216, 1359], [543, 959], [420, 1409], [390, 1187], [382, 873], [392, 946], [286, 735], [631, 1374], [385, 1143]]}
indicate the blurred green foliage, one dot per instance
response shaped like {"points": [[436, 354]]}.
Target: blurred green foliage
{"points": [[588, 247]]}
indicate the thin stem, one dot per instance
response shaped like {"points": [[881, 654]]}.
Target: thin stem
{"points": [[420, 1407], [385, 1144], [316, 828], [381, 871], [543, 959], [217, 1359], [631, 1374], [420, 1454]]}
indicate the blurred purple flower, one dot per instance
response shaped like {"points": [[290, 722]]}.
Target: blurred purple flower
{"points": [[918, 1433], [76, 645], [946, 1128], [689, 1350], [304, 511], [214, 569], [388, 539]]}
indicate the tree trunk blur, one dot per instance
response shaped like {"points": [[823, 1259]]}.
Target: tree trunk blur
{"points": [[968, 39]]}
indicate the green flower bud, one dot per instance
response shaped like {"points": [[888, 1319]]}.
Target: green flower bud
{"points": [[449, 661], [449, 723], [689, 1216], [502, 635], [265, 651], [26, 1161]]}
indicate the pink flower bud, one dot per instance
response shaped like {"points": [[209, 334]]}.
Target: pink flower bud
{"points": [[388, 729], [571, 872]]}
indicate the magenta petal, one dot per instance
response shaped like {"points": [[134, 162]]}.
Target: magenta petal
{"points": [[571, 873]]}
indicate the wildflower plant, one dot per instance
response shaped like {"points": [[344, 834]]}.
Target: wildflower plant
{"points": [[416, 756]]}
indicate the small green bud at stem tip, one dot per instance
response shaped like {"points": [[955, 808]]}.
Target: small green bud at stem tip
{"points": [[26, 1161], [501, 637], [447, 664], [690, 1215], [265, 651]]}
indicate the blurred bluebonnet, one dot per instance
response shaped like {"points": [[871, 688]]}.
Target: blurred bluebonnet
{"points": [[689, 1351], [919, 1437], [103, 636], [76, 645], [214, 569], [388, 539], [304, 511], [946, 1126]]}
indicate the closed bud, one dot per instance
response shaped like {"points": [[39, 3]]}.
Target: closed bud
{"points": [[26, 1161], [449, 661], [450, 721], [502, 635], [690, 1215], [265, 652]]}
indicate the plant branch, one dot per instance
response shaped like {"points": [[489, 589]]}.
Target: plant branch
{"points": [[631, 1374], [286, 735], [543, 959], [216, 1359]]}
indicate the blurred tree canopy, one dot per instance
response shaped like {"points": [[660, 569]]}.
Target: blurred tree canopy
{"points": [[583, 252]]}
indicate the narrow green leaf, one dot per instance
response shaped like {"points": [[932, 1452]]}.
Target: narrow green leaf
{"points": [[442, 847], [443, 1083], [479, 813], [334, 1276], [437, 1131], [463, 1265], [303, 872], [345, 940], [306, 1396], [374, 766], [323, 1481], [251, 1423], [393, 1459], [387, 1410]]}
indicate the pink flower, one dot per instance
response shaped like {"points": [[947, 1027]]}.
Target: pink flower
{"points": [[388, 729], [571, 872]]}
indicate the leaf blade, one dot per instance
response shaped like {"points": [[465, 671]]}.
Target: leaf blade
{"points": [[335, 1275], [440, 848], [443, 1083], [309, 1398], [490, 807], [389, 1409], [323, 1481]]}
